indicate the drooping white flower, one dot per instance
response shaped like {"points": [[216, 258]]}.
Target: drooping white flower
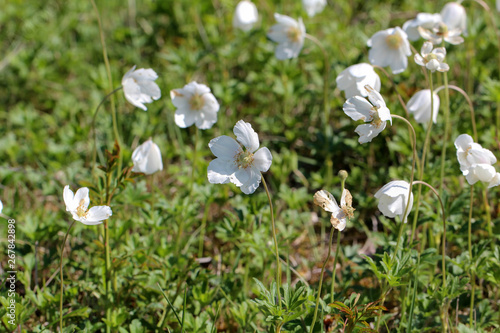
{"points": [[325, 200], [353, 80], [289, 34], [313, 7], [390, 48], [424, 20], [432, 59], [374, 112], [393, 198], [147, 158], [195, 105], [440, 31], [78, 203], [454, 16], [245, 15], [139, 87], [420, 106], [234, 164], [476, 162]]}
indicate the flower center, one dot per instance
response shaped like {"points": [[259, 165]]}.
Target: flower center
{"points": [[196, 102], [294, 34], [442, 29], [244, 159], [376, 118], [394, 41], [80, 210], [348, 211]]}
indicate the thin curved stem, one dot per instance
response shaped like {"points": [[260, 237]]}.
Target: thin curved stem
{"points": [[276, 249], [472, 277], [326, 78], [334, 269], [332, 231], [108, 70], [94, 117], [403, 104], [195, 150], [469, 101], [62, 278]]}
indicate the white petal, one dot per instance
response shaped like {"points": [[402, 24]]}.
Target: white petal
{"points": [[224, 147], [262, 159], [185, 117], [367, 132], [254, 178], [220, 170], [495, 181], [68, 199], [463, 141], [241, 176], [358, 108], [82, 194], [246, 135], [96, 215], [325, 200]]}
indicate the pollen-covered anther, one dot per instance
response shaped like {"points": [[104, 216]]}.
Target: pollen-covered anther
{"points": [[244, 159], [196, 102], [394, 41], [81, 211], [294, 34]]}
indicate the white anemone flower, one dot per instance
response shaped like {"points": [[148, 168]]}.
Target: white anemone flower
{"points": [[147, 158], [195, 105], [420, 106], [234, 164], [390, 48], [339, 217], [424, 20], [78, 203], [393, 198], [454, 16], [476, 162], [313, 7], [374, 112], [289, 34], [432, 59], [353, 80], [441, 32], [245, 15], [139, 87]]}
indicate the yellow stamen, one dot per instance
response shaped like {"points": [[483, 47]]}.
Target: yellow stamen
{"points": [[394, 41]]}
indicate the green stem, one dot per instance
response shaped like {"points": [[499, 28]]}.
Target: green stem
{"points": [[193, 167], [108, 71], [276, 250], [326, 77], [488, 216], [472, 277], [422, 163], [107, 262], [62, 278], [443, 250], [447, 128], [332, 231], [94, 151], [334, 269]]}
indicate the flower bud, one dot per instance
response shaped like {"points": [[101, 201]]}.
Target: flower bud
{"points": [[393, 198], [147, 158], [245, 15], [343, 175], [420, 106], [313, 7]]}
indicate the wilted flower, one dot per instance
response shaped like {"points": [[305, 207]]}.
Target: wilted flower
{"points": [[78, 203], [325, 200], [476, 162], [393, 198], [313, 7], [424, 20], [353, 80], [245, 15], [374, 112], [139, 87], [147, 158], [195, 105], [420, 106], [289, 34], [454, 16], [441, 31], [432, 59], [390, 48], [236, 165]]}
